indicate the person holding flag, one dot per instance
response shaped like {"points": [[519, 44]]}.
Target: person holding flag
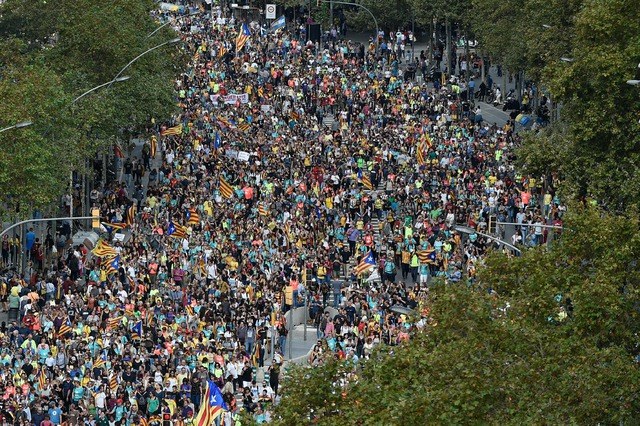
{"points": [[211, 407]]}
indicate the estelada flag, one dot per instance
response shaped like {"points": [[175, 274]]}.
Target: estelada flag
{"points": [[366, 263], [172, 131], [243, 36], [427, 256], [193, 218]]}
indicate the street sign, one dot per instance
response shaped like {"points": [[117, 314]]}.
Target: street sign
{"points": [[270, 11]]}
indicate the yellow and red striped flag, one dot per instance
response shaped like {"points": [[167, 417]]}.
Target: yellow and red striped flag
{"points": [[176, 230], [225, 189], [193, 218], [103, 249], [294, 116], [113, 323], [172, 131], [131, 214], [113, 382], [42, 378], [189, 310], [63, 331], [154, 146], [262, 210], [366, 182], [222, 51], [243, 37], [244, 126], [366, 263]]}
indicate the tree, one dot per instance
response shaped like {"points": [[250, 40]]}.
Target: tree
{"points": [[85, 43], [548, 337], [36, 160]]}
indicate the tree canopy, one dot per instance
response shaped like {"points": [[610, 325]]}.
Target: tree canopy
{"points": [[548, 337], [56, 51]]}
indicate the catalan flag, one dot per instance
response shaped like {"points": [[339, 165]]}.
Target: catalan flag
{"points": [[212, 406], [172, 131], [366, 182], [243, 37], [222, 51], [137, 329], [103, 249], [189, 310], [244, 126], [42, 378], [223, 122], [294, 115], [144, 421], [154, 146], [113, 323], [176, 231], [262, 210], [117, 151], [420, 153], [225, 189], [113, 383], [131, 214], [111, 226], [366, 263], [112, 266], [426, 140], [260, 92], [427, 256], [193, 218], [99, 363], [64, 330]]}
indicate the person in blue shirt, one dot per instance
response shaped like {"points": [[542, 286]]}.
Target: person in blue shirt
{"points": [[55, 414], [30, 239]]}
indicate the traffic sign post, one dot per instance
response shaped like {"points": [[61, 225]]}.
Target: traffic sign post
{"points": [[270, 11]]}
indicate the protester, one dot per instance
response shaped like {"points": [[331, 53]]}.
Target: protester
{"points": [[288, 166]]}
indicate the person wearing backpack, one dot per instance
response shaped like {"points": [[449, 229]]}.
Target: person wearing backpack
{"points": [[390, 271]]}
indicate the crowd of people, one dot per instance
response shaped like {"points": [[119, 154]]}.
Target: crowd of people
{"points": [[290, 166]]}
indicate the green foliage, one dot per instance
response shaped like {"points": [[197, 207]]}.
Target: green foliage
{"points": [[84, 43], [503, 352], [390, 15], [33, 167], [601, 133]]}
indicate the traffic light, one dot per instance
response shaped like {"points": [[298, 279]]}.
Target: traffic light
{"points": [[95, 217]]}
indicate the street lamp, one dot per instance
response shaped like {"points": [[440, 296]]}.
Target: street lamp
{"points": [[468, 230], [173, 40], [170, 21], [115, 80], [19, 125]]}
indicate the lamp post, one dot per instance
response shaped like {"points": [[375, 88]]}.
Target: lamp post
{"points": [[108, 83], [173, 40], [19, 125], [179, 17], [468, 230], [375, 21]]}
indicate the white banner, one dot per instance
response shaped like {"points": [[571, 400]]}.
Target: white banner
{"points": [[232, 99]]}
